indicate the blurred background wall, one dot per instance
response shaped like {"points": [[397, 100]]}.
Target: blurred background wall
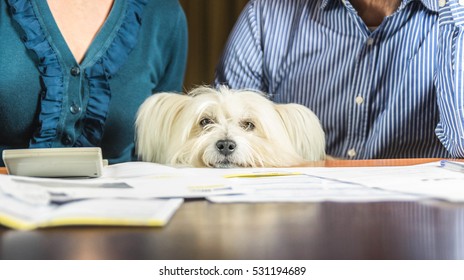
{"points": [[209, 24]]}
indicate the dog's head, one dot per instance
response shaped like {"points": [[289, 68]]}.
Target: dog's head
{"points": [[226, 128]]}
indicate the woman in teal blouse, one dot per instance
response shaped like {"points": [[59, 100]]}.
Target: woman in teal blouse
{"points": [[57, 94]]}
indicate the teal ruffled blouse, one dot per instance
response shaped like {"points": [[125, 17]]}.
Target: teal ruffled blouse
{"points": [[47, 99]]}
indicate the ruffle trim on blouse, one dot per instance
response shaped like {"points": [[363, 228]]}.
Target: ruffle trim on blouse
{"points": [[52, 75], [100, 73]]}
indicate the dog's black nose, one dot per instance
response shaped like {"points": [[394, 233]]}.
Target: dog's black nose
{"points": [[226, 147]]}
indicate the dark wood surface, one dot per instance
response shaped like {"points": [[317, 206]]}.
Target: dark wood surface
{"points": [[202, 230]]}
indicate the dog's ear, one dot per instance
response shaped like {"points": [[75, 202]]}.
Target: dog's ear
{"points": [[154, 125], [304, 130]]}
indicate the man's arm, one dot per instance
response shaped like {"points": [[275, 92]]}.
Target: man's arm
{"points": [[449, 79], [242, 60]]}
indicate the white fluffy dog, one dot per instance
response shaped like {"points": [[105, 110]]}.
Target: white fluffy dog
{"points": [[226, 128]]}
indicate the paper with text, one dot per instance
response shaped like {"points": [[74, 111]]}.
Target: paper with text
{"points": [[128, 180], [301, 185], [116, 212], [427, 181]]}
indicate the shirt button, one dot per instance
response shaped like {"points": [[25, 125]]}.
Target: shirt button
{"points": [[461, 2], [351, 153], [442, 3], [75, 71], [370, 41], [359, 100], [74, 108], [66, 140]]}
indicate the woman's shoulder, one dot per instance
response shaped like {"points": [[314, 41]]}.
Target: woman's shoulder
{"points": [[163, 8], [164, 14]]}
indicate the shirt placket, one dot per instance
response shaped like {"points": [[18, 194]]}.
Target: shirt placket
{"points": [[72, 105], [360, 96]]}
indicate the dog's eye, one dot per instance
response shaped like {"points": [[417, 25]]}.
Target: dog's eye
{"points": [[248, 126], [205, 121]]}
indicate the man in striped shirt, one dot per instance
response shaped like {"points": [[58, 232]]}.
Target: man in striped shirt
{"points": [[384, 77]]}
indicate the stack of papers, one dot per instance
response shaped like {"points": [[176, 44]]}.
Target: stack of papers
{"points": [[136, 193], [301, 185], [148, 194], [429, 180], [118, 212], [346, 184]]}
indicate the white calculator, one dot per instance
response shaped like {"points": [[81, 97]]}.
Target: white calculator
{"points": [[54, 162]]}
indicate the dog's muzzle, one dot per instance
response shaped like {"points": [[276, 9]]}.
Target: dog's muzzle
{"points": [[226, 147]]}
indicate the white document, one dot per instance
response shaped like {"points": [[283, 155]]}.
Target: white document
{"points": [[117, 212], [137, 169], [127, 180], [299, 185], [427, 181], [29, 203]]}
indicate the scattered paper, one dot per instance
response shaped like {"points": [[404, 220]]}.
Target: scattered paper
{"points": [[427, 180], [138, 193], [117, 212], [146, 181], [298, 185]]}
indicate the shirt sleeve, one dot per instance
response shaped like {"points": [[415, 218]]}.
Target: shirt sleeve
{"points": [[241, 65], [449, 79]]}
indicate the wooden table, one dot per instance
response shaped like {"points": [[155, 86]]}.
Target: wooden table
{"points": [[202, 230]]}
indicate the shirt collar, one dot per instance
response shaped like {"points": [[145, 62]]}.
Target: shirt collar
{"points": [[432, 5]]}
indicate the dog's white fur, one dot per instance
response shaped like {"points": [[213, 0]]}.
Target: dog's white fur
{"points": [[181, 129]]}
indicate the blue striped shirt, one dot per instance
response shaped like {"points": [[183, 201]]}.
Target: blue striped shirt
{"points": [[374, 91], [450, 76]]}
